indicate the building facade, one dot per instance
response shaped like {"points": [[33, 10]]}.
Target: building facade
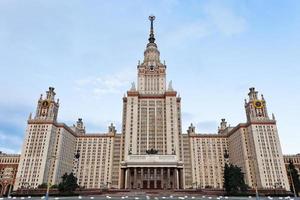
{"points": [[151, 152], [295, 159], [8, 171]]}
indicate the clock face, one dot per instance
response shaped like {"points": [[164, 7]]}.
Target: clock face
{"points": [[45, 104], [258, 104]]}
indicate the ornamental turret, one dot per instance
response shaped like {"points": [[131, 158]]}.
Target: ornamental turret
{"points": [[47, 108], [256, 109], [223, 126]]}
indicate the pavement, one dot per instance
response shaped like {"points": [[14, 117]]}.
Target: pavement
{"points": [[149, 198]]}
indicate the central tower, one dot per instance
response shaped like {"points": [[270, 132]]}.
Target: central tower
{"points": [[151, 73], [151, 126]]}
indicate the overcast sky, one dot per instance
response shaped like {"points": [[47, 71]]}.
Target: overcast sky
{"points": [[89, 50]]}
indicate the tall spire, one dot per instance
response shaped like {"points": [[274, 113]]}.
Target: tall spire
{"points": [[151, 36], [151, 54]]}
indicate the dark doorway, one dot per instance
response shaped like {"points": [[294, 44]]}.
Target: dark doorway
{"points": [[145, 184], [151, 184], [7, 189], [158, 184]]}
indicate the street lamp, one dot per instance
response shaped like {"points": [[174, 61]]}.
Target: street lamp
{"points": [[256, 192], [48, 182]]}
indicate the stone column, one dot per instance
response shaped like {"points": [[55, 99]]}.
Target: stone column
{"points": [[176, 178], [134, 179], [148, 182], [126, 178], [142, 177], [161, 177], [168, 175], [181, 178], [155, 178], [130, 178], [122, 179]]}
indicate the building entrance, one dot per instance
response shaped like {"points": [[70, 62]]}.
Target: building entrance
{"points": [[152, 178]]}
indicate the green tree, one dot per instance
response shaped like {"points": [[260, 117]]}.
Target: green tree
{"points": [[68, 184], [234, 180], [54, 186], [43, 185], [295, 176]]}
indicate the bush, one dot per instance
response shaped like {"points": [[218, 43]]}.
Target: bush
{"points": [[68, 184]]}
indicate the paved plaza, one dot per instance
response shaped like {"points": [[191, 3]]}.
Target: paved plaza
{"points": [[151, 197]]}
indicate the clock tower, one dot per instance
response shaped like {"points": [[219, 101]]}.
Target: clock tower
{"points": [[47, 107], [255, 107]]}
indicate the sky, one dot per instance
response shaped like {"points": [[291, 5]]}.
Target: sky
{"points": [[88, 50]]}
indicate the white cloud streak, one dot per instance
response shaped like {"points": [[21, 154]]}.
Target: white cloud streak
{"points": [[217, 18], [224, 18], [7, 138], [106, 84]]}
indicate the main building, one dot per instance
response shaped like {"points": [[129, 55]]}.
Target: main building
{"points": [[151, 152]]}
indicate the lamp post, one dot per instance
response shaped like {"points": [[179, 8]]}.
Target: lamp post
{"points": [[256, 193], [48, 182], [9, 190]]}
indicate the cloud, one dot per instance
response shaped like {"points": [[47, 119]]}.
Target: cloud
{"points": [[207, 126], [187, 116], [13, 114], [224, 18], [10, 139], [195, 30], [8, 150], [216, 18], [106, 84], [12, 124]]}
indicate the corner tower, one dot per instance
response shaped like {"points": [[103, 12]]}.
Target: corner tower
{"points": [[263, 150], [256, 108], [47, 108]]}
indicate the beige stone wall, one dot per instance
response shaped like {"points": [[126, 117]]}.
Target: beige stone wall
{"points": [[268, 162], [64, 155], [48, 151], [96, 160], [207, 156], [152, 123], [240, 154], [117, 156], [186, 158], [37, 147]]}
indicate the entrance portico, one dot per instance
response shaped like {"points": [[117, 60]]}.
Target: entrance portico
{"points": [[151, 172]]}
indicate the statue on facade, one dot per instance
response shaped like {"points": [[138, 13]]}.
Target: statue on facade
{"points": [[152, 151]]}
